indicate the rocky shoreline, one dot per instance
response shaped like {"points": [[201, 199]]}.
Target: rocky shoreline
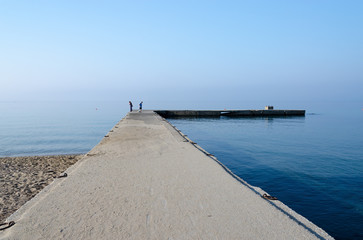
{"points": [[21, 178]]}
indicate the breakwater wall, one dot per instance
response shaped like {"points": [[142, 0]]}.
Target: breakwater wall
{"points": [[228, 113], [148, 180]]}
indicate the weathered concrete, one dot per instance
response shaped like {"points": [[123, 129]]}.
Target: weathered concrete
{"points": [[228, 113], [262, 113], [145, 180], [188, 113]]}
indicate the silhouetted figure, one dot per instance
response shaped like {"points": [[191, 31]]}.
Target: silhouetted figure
{"points": [[140, 106], [130, 103]]}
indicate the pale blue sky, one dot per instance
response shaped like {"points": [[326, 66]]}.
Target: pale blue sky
{"points": [[181, 50]]}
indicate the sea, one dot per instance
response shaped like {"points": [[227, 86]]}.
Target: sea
{"points": [[313, 164]]}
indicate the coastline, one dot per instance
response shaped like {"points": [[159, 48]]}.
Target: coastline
{"points": [[144, 180], [21, 178]]}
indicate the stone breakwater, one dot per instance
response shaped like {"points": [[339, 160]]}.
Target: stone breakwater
{"points": [[146, 180], [229, 113]]}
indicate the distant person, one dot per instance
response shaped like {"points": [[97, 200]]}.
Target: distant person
{"points": [[140, 106], [130, 103]]}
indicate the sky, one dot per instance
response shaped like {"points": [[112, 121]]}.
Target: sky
{"points": [[181, 51]]}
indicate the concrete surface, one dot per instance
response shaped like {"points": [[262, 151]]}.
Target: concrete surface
{"points": [[229, 113], [146, 181]]}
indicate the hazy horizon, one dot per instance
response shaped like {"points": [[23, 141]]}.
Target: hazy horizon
{"points": [[161, 51]]}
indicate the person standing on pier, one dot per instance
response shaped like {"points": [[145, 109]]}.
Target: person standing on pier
{"points": [[140, 106], [130, 103]]}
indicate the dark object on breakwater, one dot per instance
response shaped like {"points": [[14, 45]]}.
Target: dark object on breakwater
{"points": [[63, 175], [268, 197], [7, 225], [228, 113]]}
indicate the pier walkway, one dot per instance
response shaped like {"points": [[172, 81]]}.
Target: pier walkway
{"points": [[144, 180]]}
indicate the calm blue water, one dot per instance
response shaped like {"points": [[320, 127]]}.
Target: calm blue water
{"points": [[50, 128], [314, 164]]}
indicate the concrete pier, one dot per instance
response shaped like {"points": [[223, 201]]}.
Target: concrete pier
{"points": [[228, 113], [146, 180]]}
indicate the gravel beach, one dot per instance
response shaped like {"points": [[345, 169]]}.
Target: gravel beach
{"points": [[21, 178]]}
